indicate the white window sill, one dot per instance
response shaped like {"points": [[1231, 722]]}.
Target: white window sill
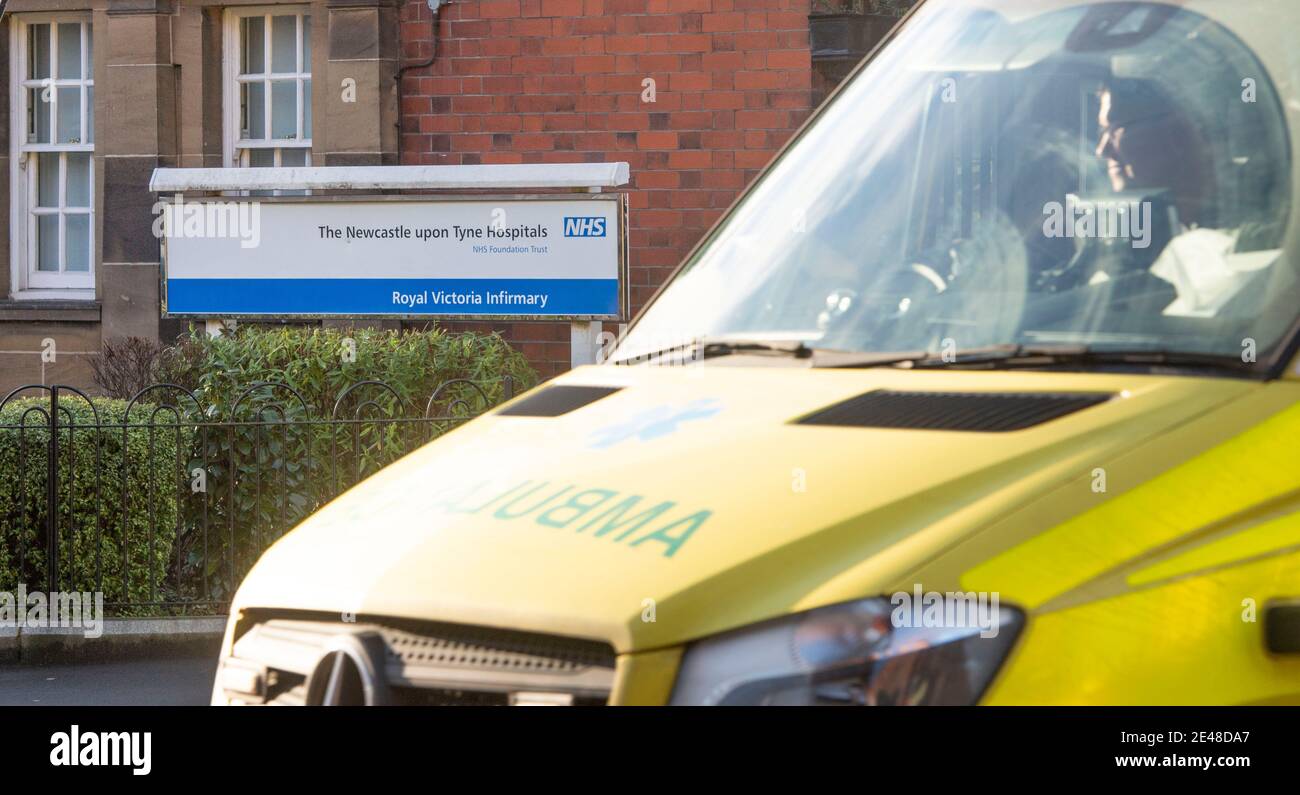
{"points": [[54, 295], [59, 309]]}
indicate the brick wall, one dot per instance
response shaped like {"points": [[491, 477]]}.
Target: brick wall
{"points": [[555, 81]]}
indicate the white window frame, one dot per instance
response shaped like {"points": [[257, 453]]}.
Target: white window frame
{"points": [[65, 285], [237, 149]]}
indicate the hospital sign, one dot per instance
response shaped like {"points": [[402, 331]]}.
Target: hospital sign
{"points": [[550, 256]]}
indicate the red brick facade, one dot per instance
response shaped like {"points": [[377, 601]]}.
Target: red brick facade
{"points": [[528, 81]]}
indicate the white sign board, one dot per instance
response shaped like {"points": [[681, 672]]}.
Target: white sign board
{"points": [[555, 257]]}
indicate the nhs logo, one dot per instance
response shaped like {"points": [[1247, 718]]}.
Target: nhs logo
{"points": [[584, 226]]}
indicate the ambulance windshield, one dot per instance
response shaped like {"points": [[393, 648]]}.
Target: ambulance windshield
{"points": [[1107, 175]]}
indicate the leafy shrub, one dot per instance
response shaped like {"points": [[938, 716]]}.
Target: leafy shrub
{"points": [[320, 363], [259, 446], [269, 454], [99, 522]]}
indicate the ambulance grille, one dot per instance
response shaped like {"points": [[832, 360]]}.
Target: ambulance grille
{"points": [[556, 400], [417, 662], [989, 412]]}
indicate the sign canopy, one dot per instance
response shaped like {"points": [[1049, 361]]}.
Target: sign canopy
{"points": [[496, 176]]}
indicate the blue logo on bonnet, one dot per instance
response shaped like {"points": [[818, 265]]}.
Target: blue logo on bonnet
{"points": [[653, 423]]}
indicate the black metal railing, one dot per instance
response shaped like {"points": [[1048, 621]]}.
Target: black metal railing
{"points": [[163, 503]]}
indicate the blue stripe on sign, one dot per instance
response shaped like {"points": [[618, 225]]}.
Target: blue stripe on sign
{"points": [[218, 297]]}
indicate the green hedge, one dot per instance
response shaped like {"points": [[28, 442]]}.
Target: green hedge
{"points": [[322, 362], [188, 539], [91, 524], [263, 481]]}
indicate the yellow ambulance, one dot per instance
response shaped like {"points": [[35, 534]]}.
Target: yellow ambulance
{"points": [[985, 392]]}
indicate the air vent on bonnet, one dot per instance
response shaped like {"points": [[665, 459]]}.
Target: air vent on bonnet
{"points": [[556, 400], [954, 411]]}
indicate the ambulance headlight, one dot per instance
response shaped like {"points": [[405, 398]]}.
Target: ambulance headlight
{"points": [[869, 652]]}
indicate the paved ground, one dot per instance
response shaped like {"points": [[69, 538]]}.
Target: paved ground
{"points": [[148, 682]]}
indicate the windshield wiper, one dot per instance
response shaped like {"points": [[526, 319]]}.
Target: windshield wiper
{"points": [[715, 347], [1005, 357]]}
